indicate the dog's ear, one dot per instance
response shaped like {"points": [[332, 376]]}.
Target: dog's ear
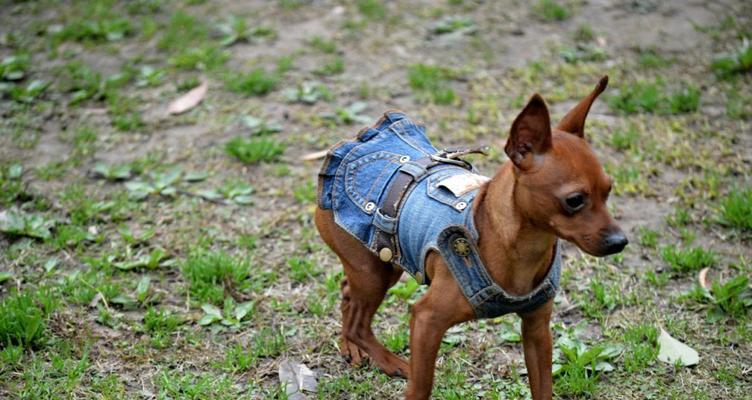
{"points": [[574, 121], [530, 134]]}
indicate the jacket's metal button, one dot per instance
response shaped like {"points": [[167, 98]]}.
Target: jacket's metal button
{"points": [[385, 254], [419, 277], [404, 159], [460, 206], [461, 246], [370, 206]]}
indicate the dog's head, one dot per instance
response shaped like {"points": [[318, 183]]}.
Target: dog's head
{"points": [[559, 182]]}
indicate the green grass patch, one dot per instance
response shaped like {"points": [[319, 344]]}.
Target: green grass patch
{"points": [[642, 350], [688, 259], [12, 187], [255, 150], [23, 318], [551, 11], [323, 45], [334, 66], [204, 57], [431, 83], [182, 31], [732, 298], [650, 58], [99, 22], [655, 97], [735, 210], [371, 9], [738, 61], [625, 139], [213, 274], [258, 82]]}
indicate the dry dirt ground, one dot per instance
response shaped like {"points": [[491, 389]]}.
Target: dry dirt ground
{"points": [[147, 255]]}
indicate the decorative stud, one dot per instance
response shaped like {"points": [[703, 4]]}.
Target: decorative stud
{"points": [[385, 254], [370, 206], [461, 247], [460, 206], [404, 159]]}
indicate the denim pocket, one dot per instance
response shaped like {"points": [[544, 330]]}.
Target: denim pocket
{"points": [[438, 192], [367, 177]]}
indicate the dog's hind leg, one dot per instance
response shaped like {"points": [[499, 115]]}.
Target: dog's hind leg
{"points": [[366, 281], [363, 291]]}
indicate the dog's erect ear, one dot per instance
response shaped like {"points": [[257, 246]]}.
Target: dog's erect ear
{"points": [[530, 134], [574, 121]]}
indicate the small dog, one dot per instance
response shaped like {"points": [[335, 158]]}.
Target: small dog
{"points": [[389, 202]]}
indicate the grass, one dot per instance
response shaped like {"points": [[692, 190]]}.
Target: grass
{"points": [[733, 298], [323, 45], [551, 11], [686, 260], [625, 139], [23, 318], [11, 185], [371, 9], [213, 274], [334, 66], [642, 347], [655, 97], [735, 210], [256, 150], [738, 61], [257, 82], [132, 240], [432, 83]]}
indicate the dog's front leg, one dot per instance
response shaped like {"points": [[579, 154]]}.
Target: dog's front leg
{"points": [[427, 328], [442, 307], [537, 343]]}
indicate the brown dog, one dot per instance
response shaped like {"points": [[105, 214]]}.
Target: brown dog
{"points": [[553, 187]]}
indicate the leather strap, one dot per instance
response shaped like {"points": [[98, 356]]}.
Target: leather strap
{"points": [[385, 243], [409, 173]]}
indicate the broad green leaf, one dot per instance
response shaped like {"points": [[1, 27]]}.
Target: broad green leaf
{"points": [[195, 176], [209, 194], [142, 289], [213, 314], [4, 276], [50, 264], [15, 171], [242, 309]]}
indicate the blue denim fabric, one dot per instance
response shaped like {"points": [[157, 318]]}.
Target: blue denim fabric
{"points": [[488, 299], [357, 172], [426, 212], [353, 183]]}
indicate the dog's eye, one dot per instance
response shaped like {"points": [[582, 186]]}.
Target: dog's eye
{"points": [[574, 202]]}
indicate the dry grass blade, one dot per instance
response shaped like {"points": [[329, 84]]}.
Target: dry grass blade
{"points": [[315, 155]]}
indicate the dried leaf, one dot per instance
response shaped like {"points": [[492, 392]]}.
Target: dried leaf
{"points": [[314, 156], [297, 378], [703, 278], [188, 100], [673, 351]]}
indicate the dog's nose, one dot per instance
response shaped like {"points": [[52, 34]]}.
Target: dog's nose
{"points": [[615, 242]]}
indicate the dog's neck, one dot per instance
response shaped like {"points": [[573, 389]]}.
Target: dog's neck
{"points": [[516, 253]]}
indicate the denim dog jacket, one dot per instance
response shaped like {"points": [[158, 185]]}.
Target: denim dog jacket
{"points": [[435, 212]]}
